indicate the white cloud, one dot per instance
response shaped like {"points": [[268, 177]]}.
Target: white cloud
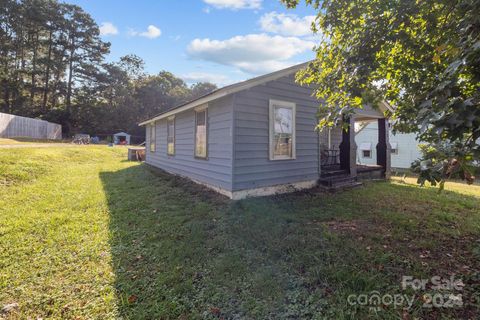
{"points": [[235, 4], [286, 24], [253, 53], [263, 67], [218, 79], [151, 33], [108, 28]]}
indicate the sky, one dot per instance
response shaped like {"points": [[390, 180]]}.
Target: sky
{"points": [[220, 41]]}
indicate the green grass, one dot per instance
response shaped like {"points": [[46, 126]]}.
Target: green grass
{"points": [[85, 234]]}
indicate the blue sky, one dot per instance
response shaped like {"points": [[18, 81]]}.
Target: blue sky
{"points": [[220, 41]]}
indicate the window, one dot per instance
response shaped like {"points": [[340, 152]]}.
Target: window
{"points": [[201, 133], [394, 148], [367, 153], [366, 148], [282, 130], [171, 136], [152, 137]]}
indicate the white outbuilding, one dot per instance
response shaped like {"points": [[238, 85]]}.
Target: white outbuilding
{"points": [[121, 138]]}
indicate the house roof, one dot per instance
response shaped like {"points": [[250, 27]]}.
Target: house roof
{"points": [[121, 134], [236, 87], [225, 91]]}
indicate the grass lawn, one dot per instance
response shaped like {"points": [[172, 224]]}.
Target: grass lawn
{"points": [[85, 234]]}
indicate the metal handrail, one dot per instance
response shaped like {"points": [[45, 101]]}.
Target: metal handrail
{"points": [[329, 157]]}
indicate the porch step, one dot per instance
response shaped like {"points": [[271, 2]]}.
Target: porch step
{"points": [[338, 182], [334, 173]]}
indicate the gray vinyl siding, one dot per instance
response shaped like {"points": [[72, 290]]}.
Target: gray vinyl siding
{"points": [[252, 166], [217, 169]]}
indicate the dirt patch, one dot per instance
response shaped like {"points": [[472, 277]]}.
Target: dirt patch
{"points": [[442, 253], [342, 225], [435, 254], [357, 227]]}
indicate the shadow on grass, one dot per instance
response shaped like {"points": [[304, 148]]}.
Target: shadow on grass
{"points": [[182, 251]]}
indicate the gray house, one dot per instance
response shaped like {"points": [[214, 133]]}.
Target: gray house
{"points": [[258, 137]]}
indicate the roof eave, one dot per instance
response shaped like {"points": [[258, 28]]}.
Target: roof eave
{"points": [[226, 91]]}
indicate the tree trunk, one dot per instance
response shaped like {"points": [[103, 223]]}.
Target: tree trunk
{"points": [[57, 78], [47, 73], [6, 96], [34, 70], [69, 85]]}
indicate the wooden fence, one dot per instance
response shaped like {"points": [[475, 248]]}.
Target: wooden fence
{"points": [[12, 126]]}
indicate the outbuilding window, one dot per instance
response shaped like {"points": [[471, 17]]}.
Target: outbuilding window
{"points": [[201, 137], [282, 130], [171, 136], [394, 148], [366, 149], [152, 137]]}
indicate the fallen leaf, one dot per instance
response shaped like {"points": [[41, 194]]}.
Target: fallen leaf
{"points": [[215, 311], [9, 307], [132, 298]]}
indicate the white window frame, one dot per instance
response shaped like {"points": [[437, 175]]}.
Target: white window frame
{"points": [[197, 110], [283, 104], [172, 118]]}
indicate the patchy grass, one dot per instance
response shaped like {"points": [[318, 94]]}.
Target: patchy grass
{"points": [[86, 234]]}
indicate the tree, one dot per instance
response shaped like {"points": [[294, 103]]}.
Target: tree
{"points": [[133, 65], [157, 93], [201, 88], [52, 67], [86, 50], [421, 56], [46, 47]]}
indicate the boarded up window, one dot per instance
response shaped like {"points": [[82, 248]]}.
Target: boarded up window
{"points": [[171, 136], [201, 133], [152, 138]]}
